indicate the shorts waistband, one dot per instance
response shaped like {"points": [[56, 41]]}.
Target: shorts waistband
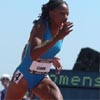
{"points": [[44, 60], [36, 72]]}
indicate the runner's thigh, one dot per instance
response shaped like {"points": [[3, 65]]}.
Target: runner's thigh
{"points": [[16, 91], [48, 90]]}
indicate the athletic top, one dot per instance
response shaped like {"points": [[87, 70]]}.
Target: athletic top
{"points": [[2, 94], [51, 53]]}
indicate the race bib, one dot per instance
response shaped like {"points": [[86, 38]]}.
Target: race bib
{"points": [[18, 76], [40, 66]]}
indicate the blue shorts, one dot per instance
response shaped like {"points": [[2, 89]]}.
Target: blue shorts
{"points": [[31, 79]]}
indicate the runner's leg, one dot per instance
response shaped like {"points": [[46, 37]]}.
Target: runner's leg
{"points": [[47, 90]]}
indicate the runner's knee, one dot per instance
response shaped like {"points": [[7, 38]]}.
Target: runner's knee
{"points": [[56, 94]]}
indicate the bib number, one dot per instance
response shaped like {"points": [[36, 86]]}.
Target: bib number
{"points": [[40, 66], [17, 77]]}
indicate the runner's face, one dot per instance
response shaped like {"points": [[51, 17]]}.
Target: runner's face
{"points": [[60, 14]]}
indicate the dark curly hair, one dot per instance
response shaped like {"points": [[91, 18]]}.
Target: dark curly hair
{"points": [[52, 4]]}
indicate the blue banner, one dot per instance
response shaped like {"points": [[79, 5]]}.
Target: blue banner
{"points": [[71, 78]]}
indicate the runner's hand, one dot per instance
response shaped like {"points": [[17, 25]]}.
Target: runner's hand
{"points": [[65, 30], [57, 65]]}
